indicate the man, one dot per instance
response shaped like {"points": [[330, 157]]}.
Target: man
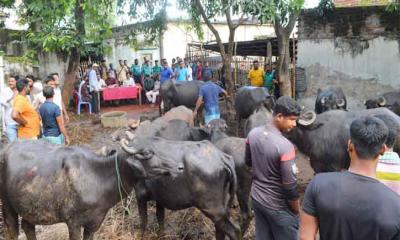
{"points": [[353, 204], [166, 73], [199, 71], [7, 98], [24, 113], [58, 97], [256, 75], [152, 94], [189, 71], [269, 78], [122, 71], [274, 187], [181, 73], [156, 71], [53, 124], [388, 169], [207, 71], [94, 88], [209, 94], [277, 89], [103, 70], [146, 70], [136, 72]]}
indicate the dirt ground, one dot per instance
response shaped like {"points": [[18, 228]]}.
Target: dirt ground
{"points": [[119, 225]]}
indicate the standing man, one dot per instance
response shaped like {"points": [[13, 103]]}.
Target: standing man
{"points": [[137, 72], [146, 70], [166, 72], [103, 70], [58, 98], [122, 72], [7, 99], [53, 125], [353, 204], [189, 71], [24, 113], [199, 71], [207, 71], [388, 169], [274, 188], [256, 75], [209, 94], [94, 88], [156, 71], [269, 77], [181, 73]]}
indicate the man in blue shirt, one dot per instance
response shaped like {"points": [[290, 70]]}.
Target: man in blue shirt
{"points": [[53, 125], [166, 72], [207, 71], [209, 94], [181, 73]]}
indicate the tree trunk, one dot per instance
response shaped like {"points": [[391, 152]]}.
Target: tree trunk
{"points": [[74, 60], [283, 63]]}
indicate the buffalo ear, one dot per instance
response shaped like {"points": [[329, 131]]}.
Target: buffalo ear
{"points": [[138, 170]]}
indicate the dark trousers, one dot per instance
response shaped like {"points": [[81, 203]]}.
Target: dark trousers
{"points": [[95, 101], [275, 225]]}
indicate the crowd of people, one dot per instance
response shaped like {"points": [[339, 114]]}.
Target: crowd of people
{"points": [[34, 109], [147, 75], [266, 77], [352, 204]]}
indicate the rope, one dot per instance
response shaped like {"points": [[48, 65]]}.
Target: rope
{"points": [[121, 187]]}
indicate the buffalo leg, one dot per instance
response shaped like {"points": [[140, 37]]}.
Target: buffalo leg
{"points": [[74, 231], [228, 228], [10, 218], [245, 210], [219, 234], [29, 230], [142, 205], [90, 229], [160, 212]]}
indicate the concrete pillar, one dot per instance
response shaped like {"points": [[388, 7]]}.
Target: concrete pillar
{"points": [[1, 90]]}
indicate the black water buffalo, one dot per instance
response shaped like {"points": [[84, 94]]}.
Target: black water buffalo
{"points": [[180, 93], [330, 99], [248, 99], [258, 118], [234, 147], [48, 184], [324, 140], [207, 181], [390, 100]]}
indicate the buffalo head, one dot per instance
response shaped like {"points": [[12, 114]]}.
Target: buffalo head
{"points": [[376, 103], [143, 161]]}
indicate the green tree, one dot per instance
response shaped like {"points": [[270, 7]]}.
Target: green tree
{"points": [[283, 15], [200, 10], [65, 27]]}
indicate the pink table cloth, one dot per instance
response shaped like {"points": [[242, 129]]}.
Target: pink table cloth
{"points": [[119, 93]]}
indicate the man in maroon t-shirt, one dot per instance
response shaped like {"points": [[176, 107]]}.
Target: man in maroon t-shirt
{"points": [[274, 186]]}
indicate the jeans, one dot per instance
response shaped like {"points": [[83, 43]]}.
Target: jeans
{"points": [[275, 225], [12, 132]]}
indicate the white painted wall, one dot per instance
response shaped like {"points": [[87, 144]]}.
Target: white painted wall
{"points": [[177, 37], [380, 61]]}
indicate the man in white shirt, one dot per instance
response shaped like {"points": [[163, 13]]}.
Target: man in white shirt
{"points": [[7, 98], [94, 88], [57, 99], [189, 71]]}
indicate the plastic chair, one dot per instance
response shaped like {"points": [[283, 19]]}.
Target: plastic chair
{"points": [[80, 102]]}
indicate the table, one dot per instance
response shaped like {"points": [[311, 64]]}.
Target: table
{"points": [[120, 93]]}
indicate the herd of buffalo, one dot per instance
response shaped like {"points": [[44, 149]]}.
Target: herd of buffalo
{"points": [[169, 161]]}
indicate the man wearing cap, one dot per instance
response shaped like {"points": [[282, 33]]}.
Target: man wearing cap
{"points": [[94, 88]]}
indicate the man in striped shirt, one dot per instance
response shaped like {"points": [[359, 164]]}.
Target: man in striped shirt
{"points": [[388, 169]]}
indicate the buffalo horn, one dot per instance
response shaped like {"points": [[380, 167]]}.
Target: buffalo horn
{"points": [[307, 118], [340, 102], [124, 145], [130, 135], [381, 101], [323, 100], [102, 151]]}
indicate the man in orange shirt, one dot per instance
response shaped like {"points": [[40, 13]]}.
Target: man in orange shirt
{"points": [[256, 75], [24, 113]]}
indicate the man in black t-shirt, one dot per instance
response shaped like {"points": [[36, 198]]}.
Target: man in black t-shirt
{"points": [[353, 205]]}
